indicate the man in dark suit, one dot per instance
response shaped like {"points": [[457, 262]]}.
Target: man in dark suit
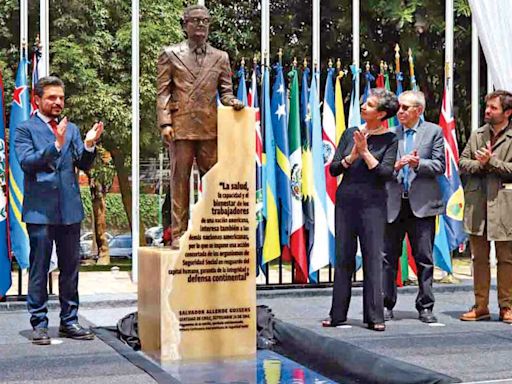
{"points": [[189, 75], [49, 151], [414, 199]]}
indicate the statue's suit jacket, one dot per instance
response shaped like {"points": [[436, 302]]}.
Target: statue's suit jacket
{"points": [[424, 191], [52, 193], [187, 92]]}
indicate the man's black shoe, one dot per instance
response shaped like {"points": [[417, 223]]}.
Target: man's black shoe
{"points": [[388, 314], [427, 316], [75, 331], [40, 336]]}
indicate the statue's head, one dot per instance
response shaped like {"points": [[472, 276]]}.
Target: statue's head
{"points": [[196, 22]]}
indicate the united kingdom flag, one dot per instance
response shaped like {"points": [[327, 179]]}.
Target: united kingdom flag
{"points": [[451, 186]]}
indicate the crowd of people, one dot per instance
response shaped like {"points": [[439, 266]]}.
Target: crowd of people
{"points": [[390, 188]]}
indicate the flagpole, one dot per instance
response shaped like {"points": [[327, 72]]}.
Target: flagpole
{"points": [[355, 36], [23, 27], [449, 47], [44, 36], [475, 77], [265, 26], [316, 37], [135, 138]]}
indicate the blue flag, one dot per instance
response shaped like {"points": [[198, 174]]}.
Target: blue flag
{"points": [[254, 103], [5, 261], [280, 127], [369, 78], [319, 256], [354, 113], [20, 111], [242, 88], [271, 244], [329, 147]]}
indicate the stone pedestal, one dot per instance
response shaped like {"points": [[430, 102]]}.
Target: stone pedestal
{"points": [[200, 301]]}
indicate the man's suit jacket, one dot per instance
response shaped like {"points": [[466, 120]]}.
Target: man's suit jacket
{"points": [[488, 189], [52, 194], [424, 192], [187, 92]]}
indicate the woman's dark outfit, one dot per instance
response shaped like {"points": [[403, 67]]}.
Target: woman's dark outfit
{"points": [[361, 212]]}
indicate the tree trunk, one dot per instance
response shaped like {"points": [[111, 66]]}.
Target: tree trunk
{"points": [[124, 183], [126, 189], [100, 223]]}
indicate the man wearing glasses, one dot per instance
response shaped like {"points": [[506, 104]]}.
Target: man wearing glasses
{"points": [[414, 199], [189, 75]]}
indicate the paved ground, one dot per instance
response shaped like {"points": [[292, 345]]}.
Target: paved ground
{"points": [[473, 352], [469, 351]]}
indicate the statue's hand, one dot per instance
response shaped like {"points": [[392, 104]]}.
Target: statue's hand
{"points": [[168, 134], [237, 104]]}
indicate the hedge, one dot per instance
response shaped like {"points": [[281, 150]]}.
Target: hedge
{"points": [[116, 215]]}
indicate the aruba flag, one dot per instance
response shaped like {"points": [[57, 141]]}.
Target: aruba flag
{"points": [[20, 111]]}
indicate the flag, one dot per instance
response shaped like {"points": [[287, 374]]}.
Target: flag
{"points": [[340, 109], [406, 258], [254, 103], [35, 78], [242, 88], [391, 122], [20, 111], [319, 256], [441, 250], [280, 127], [297, 238], [451, 186], [307, 166], [271, 245], [5, 261], [381, 83], [307, 162], [369, 78], [354, 114], [329, 147]]}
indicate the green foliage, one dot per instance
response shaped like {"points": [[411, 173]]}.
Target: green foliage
{"points": [[415, 24], [116, 216], [90, 49]]}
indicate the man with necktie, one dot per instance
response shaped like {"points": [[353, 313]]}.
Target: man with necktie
{"points": [[50, 151], [189, 76], [414, 199]]}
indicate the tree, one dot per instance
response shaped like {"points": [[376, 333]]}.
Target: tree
{"points": [[90, 49], [416, 24], [101, 177]]}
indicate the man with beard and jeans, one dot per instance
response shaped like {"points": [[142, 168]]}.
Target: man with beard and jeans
{"points": [[50, 152], [487, 162], [189, 76], [414, 199]]}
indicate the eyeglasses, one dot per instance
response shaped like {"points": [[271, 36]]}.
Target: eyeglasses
{"points": [[405, 107], [199, 20]]}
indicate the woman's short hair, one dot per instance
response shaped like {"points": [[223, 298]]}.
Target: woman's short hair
{"points": [[387, 101]]}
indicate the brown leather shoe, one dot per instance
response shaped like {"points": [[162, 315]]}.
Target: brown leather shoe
{"points": [[506, 315], [477, 314]]}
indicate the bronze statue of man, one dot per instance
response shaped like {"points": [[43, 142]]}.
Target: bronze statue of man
{"points": [[189, 76]]}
